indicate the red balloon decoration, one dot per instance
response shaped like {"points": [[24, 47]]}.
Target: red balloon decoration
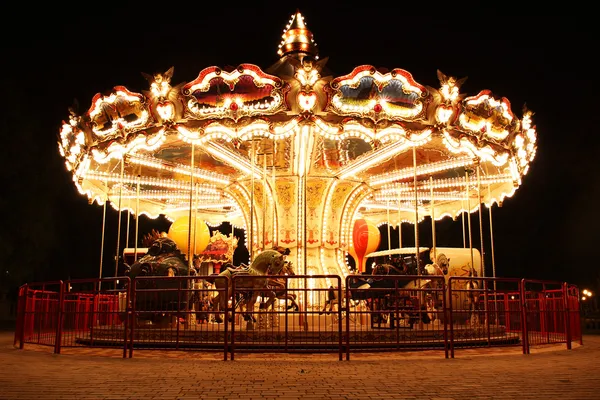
{"points": [[365, 240]]}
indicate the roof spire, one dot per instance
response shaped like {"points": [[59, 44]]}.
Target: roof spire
{"points": [[297, 39]]}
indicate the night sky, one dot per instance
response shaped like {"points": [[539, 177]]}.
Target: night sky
{"points": [[548, 230]]}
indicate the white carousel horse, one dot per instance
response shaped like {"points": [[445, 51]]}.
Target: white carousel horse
{"points": [[472, 287]]}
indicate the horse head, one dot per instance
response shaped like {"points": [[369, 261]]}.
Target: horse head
{"points": [[381, 269], [162, 259], [288, 268], [269, 262], [433, 269]]}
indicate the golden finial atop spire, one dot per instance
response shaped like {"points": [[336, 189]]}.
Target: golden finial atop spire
{"points": [[297, 39]]}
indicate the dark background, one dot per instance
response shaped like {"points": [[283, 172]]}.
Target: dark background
{"points": [[548, 230]]}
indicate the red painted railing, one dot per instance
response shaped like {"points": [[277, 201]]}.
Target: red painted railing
{"points": [[174, 313]]}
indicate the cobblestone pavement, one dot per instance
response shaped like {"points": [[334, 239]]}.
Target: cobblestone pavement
{"points": [[550, 372]]}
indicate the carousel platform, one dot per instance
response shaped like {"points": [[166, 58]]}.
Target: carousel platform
{"points": [[321, 332]]}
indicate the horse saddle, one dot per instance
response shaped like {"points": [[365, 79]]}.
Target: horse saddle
{"points": [[239, 271]]}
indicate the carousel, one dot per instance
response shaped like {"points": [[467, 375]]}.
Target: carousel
{"points": [[310, 165], [296, 156]]}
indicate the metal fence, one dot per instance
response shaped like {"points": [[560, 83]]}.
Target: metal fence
{"points": [[298, 313]]}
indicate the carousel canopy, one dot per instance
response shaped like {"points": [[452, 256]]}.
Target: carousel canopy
{"points": [[294, 154]]}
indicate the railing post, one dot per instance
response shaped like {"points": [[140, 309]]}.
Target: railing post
{"points": [[59, 318], [444, 306], [567, 315], [126, 319], [487, 312], [524, 332], [232, 318], [451, 317], [286, 324], [20, 315], [177, 316], [340, 310], [131, 305], [507, 314], [24, 320], [348, 295]]}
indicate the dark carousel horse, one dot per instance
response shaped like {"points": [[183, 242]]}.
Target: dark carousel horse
{"points": [[277, 291], [269, 262]]}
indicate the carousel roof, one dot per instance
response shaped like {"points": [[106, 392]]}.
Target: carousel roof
{"points": [[403, 141]]}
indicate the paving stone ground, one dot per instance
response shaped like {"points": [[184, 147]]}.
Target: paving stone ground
{"points": [[549, 372]]}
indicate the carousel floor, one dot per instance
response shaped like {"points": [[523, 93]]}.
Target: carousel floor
{"points": [[320, 332]]}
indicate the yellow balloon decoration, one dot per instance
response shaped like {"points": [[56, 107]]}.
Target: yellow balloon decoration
{"points": [[179, 233]]}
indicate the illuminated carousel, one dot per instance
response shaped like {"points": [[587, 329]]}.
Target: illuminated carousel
{"points": [[294, 155]]}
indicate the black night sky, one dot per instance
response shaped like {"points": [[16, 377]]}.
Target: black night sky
{"points": [[548, 230]]}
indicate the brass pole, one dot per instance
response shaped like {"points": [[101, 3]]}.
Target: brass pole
{"points": [[189, 247], [480, 219], [304, 225], [137, 216], [304, 189], [102, 242], [388, 226], [469, 217], [399, 221], [195, 220], [462, 222], [274, 190], [416, 210], [492, 238], [128, 218], [432, 203], [264, 184], [119, 223], [252, 160]]}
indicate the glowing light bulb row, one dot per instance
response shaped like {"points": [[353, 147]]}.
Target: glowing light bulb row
{"points": [[524, 144], [443, 183], [204, 206], [465, 146], [347, 219], [326, 211], [239, 107], [406, 196], [121, 95], [376, 157], [355, 129], [165, 195], [149, 181], [421, 170], [140, 143], [246, 197], [380, 78], [300, 230], [178, 168], [231, 78], [492, 103], [121, 124], [482, 124]]}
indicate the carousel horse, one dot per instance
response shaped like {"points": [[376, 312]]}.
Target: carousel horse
{"points": [[472, 287], [383, 298], [162, 259], [277, 290], [411, 310], [269, 262]]}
